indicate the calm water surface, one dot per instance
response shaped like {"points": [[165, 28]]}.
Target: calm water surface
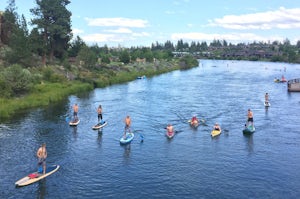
{"points": [[191, 165]]}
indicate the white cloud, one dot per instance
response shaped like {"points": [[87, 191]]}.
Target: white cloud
{"points": [[141, 34], [120, 30], [169, 12], [106, 38], [180, 2], [118, 22], [77, 31], [98, 37], [282, 19]]}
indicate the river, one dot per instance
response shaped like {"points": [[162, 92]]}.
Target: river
{"points": [[191, 165]]}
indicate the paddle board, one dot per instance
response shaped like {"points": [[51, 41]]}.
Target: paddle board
{"points": [[99, 125], [74, 123], [267, 104], [128, 139], [215, 132], [170, 134], [249, 129], [36, 176]]}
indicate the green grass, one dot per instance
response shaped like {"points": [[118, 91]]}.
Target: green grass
{"points": [[125, 76], [42, 95]]}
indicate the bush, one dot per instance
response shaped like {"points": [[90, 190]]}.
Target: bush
{"points": [[187, 62], [18, 79], [5, 90]]}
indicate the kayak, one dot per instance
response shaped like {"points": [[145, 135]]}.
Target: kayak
{"points": [[99, 125], [128, 139], [170, 134], [141, 77], [195, 125], [267, 104], [215, 132], [249, 129], [74, 122], [280, 80], [36, 176]]}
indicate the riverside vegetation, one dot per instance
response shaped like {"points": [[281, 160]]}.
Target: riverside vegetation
{"points": [[24, 88], [46, 64]]}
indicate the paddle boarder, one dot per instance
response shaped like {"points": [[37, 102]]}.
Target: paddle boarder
{"points": [[42, 155], [99, 111], [250, 116], [75, 112], [127, 125], [267, 98]]}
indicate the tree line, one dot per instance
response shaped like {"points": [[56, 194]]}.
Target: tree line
{"points": [[51, 41]]}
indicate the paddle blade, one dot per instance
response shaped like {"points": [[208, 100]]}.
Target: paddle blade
{"points": [[68, 119], [142, 138]]}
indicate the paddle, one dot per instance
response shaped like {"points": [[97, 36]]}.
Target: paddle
{"points": [[68, 119], [141, 135]]}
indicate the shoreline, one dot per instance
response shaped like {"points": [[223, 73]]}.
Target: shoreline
{"points": [[45, 93]]}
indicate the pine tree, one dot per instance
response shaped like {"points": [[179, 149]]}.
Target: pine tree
{"points": [[53, 21]]}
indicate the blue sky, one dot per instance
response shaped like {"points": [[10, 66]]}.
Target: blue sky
{"points": [[140, 23]]}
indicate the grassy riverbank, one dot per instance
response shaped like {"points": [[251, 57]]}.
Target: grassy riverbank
{"points": [[46, 92], [42, 95]]}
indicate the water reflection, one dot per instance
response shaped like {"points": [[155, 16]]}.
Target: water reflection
{"points": [[216, 138], [266, 111], [41, 191], [99, 138], [74, 129], [249, 142], [126, 154]]}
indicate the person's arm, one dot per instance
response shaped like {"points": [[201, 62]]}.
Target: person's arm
{"points": [[46, 154], [38, 153]]}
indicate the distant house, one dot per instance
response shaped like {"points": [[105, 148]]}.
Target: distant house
{"points": [[180, 54]]}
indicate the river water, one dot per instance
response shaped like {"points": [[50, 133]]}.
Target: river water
{"points": [[191, 165]]}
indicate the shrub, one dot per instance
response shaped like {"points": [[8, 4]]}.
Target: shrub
{"points": [[18, 79]]}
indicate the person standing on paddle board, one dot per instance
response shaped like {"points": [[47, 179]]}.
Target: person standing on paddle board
{"points": [[42, 155], [99, 111], [250, 116], [75, 112], [127, 125], [267, 98]]}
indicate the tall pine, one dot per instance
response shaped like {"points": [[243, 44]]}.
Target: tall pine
{"points": [[53, 22]]}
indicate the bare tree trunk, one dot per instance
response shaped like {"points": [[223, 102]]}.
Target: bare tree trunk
{"points": [[44, 59], [45, 50], [51, 55]]}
